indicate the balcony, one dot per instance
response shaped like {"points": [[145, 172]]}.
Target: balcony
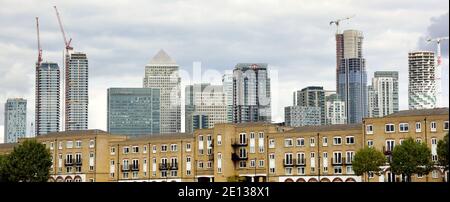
{"points": [[337, 161], [68, 162], [387, 151], [78, 162], [125, 168], [237, 143], [300, 162], [236, 157], [163, 166], [173, 166], [291, 163], [134, 167], [347, 161]]}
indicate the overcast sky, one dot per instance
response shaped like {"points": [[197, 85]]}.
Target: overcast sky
{"points": [[292, 36]]}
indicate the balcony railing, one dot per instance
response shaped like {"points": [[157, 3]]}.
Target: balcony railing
{"points": [[387, 151], [173, 166], [163, 166], [134, 167], [236, 157], [337, 161], [290, 163], [236, 142], [78, 162], [125, 168], [68, 162], [300, 162]]}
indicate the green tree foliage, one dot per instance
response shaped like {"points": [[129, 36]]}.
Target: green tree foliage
{"points": [[442, 152], [3, 175], [29, 162], [411, 158], [236, 179], [368, 160]]}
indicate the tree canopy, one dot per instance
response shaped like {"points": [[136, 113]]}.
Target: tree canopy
{"points": [[368, 160], [442, 152], [410, 158]]}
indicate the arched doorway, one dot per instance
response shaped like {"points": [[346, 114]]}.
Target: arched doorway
{"points": [[289, 180], [350, 180], [51, 179], [337, 180], [325, 180], [312, 180], [59, 179], [301, 180], [68, 179], [77, 179]]}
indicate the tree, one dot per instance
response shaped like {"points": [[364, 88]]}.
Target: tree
{"points": [[442, 151], [368, 160], [410, 158], [236, 178], [3, 174], [29, 162]]}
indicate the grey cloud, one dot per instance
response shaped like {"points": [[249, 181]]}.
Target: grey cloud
{"points": [[439, 27]]}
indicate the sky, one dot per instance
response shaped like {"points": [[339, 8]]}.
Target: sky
{"points": [[293, 36]]}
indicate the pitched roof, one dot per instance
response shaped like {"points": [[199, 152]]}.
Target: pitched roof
{"points": [[162, 58], [74, 132], [337, 127], [154, 137], [420, 112]]}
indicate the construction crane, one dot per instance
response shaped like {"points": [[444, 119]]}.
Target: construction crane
{"points": [[67, 43], [438, 70], [39, 60], [337, 22]]}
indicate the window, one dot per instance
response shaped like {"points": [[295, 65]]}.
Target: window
{"points": [[301, 170], [135, 149], [60, 145], [271, 143], [369, 129], [288, 160], [112, 150], [69, 144], [419, 175], [404, 127], [126, 150], [301, 159], [209, 164], [252, 163], [433, 126], [261, 142], [242, 164], [288, 142], [173, 147], [371, 175], [390, 144], [261, 163], [389, 128], [418, 127], [370, 143], [219, 140], [163, 148], [242, 138], [125, 175], [154, 149], [312, 142], [445, 125], [300, 142], [337, 170], [434, 174], [349, 157], [145, 149], [401, 141], [337, 158], [188, 147], [418, 140], [91, 143], [242, 152], [337, 140], [325, 141], [51, 145], [350, 140], [288, 171], [349, 170], [78, 144], [252, 143]]}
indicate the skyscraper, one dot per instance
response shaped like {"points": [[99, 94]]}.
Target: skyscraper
{"points": [[312, 96], [15, 119], [297, 116], [76, 91], [335, 110], [205, 106], [383, 94], [352, 77], [47, 107], [227, 83], [251, 93], [162, 73], [422, 83], [133, 111]]}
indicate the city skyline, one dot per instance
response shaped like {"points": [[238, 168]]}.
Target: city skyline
{"points": [[126, 70]]}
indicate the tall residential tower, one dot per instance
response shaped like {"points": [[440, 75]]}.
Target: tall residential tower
{"points": [[47, 107], [383, 94], [422, 83], [15, 119]]}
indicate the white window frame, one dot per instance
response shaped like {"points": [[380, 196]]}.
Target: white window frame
{"points": [[386, 127], [300, 142], [433, 126], [418, 127], [335, 138], [401, 127], [271, 143], [369, 129], [288, 142], [347, 138]]}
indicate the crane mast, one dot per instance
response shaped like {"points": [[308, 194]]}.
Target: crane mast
{"points": [[39, 60], [438, 70]]}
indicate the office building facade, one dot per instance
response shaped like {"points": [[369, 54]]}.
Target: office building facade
{"points": [[296, 116], [312, 96]]}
